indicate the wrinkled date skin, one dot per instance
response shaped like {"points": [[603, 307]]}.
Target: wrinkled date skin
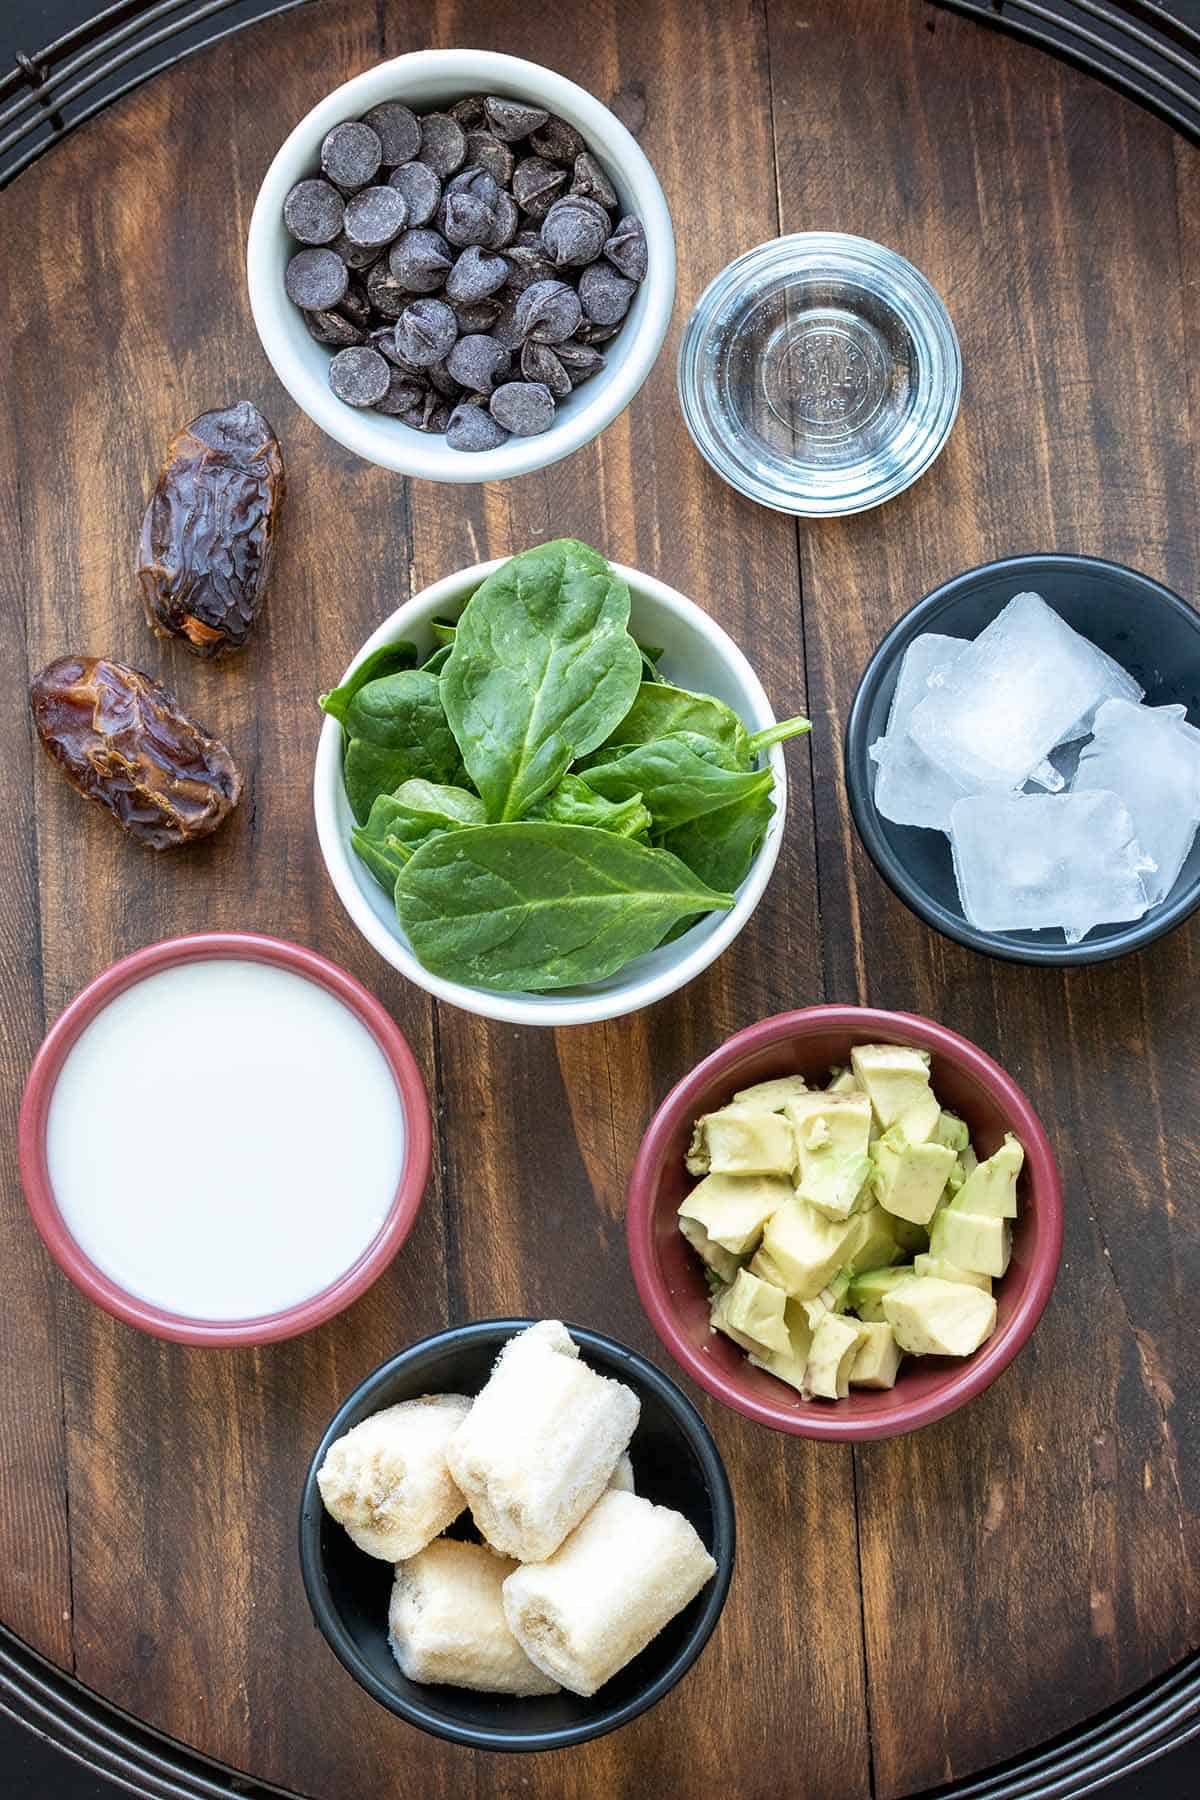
{"points": [[209, 532], [121, 739]]}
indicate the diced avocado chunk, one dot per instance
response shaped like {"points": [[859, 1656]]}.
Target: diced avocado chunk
{"points": [[972, 1240], [939, 1318], [771, 1096], [990, 1190], [721, 1262], [877, 1362], [893, 1075], [910, 1237], [836, 1294], [919, 1122], [842, 1081], [878, 1248], [742, 1140], [832, 1132], [790, 1364], [835, 1345], [909, 1178], [952, 1131], [869, 1290], [948, 1271], [801, 1249], [734, 1208], [751, 1313]]}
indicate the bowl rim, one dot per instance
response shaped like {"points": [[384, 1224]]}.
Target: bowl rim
{"points": [[402, 449], [979, 1370], [522, 1008], [89, 1002], [860, 788], [716, 1479]]}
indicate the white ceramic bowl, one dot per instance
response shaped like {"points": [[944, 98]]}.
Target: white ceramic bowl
{"points": [[425, 80], [697, 654]]}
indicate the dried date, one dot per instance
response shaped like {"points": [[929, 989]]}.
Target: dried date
{"points": [[122, 740], [209, 533]]}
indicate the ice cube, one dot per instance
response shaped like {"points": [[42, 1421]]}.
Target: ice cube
{"points": [[909, 789], [1147, 756], [1026, 684], [1028, 862]]}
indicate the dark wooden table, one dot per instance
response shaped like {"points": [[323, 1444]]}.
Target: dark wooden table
{"points": [[903, 1613]]}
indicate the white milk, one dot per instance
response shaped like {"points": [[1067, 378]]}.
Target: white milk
{"points": [[225, 1139]]}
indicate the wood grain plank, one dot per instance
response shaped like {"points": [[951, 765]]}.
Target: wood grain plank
{"points": [[1043, 208]]}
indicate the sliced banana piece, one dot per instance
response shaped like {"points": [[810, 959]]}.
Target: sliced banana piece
{"points": [[387, 1480], [446, 1622]]}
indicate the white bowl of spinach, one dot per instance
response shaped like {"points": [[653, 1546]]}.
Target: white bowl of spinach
{"points": [[550, 789]]}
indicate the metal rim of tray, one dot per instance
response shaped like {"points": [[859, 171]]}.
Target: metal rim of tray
{"points": [[1134, 45]]}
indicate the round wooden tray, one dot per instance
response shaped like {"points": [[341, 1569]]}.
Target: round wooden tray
{"points": [[904, 1614]]}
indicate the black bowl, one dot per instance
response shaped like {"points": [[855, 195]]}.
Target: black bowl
{"points": [[675, 1463], [1147, 629]]}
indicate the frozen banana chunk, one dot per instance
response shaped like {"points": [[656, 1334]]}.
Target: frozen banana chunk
{"points": [[540, 1444], [742, 1140], [446, 1622], [387, 1480], [622, 1476], [620, 1577]]}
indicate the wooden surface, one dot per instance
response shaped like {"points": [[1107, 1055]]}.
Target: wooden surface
{"points": [[902, 1613]]}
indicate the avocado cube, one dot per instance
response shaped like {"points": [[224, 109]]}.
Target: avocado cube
{"points": [[939, 1318], [893, 1075], [732, 1209], [951, 1131], [836, 1294], [972, 1240], [790, 1364], [835, 1344], [868, 1290], [879, 1247], [990, 1190], [948, 1271], [742, 1140], [877, 1362], [771, 1096], [801, 1249], [842, 1081], [722, 1263], [911, 1238], [919, 1122], [751, 1313], [832, 1132], [909, 1178]]}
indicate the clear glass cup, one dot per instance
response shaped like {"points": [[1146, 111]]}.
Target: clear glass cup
{"points": [[820, 374]]}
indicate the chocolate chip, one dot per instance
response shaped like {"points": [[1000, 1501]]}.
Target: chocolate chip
{"points": [[604, 294], [486, 151], [443, 381], [359, 376], [356, 304], [590, 333], [398, 131], [374, 216], [404, 392], [429, 414], [477, 362], [469, 113], [476, 181], [529, 262], [420, 189], [463, 220], [383, 339], [539, 363], [508, 330], [356, 256], [557, 141], [526, 408], [471, 428], [476, 315], [313, 212], [351, 155], [425, 332], [421, 260], [626, 248], [387, 294], [549, 311], [591, 181], [316, 279], [512, 119], [476, 274], [506, 220], [536, 184], [580, 361], [572, 233], [443, 144], [333, 328]]}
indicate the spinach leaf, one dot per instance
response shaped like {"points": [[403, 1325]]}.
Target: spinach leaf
{"points": [[399, 823], [537, 906], [777, 734], [396, 729], [720, 846], [573, 802], [542, 670], [660, 710], [384, 661], [437, 659], [443, 631], [678, 777], [651, 655]]}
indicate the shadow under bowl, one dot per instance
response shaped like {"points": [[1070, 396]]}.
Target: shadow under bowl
{"points": [[1145, 627], [675, 1463]]}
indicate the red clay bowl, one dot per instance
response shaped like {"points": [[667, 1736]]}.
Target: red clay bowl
{"points": [[669, 1274], [35, 1107]]}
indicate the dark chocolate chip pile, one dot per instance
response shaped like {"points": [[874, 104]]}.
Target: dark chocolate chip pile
{"points": [[463, 266]]}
